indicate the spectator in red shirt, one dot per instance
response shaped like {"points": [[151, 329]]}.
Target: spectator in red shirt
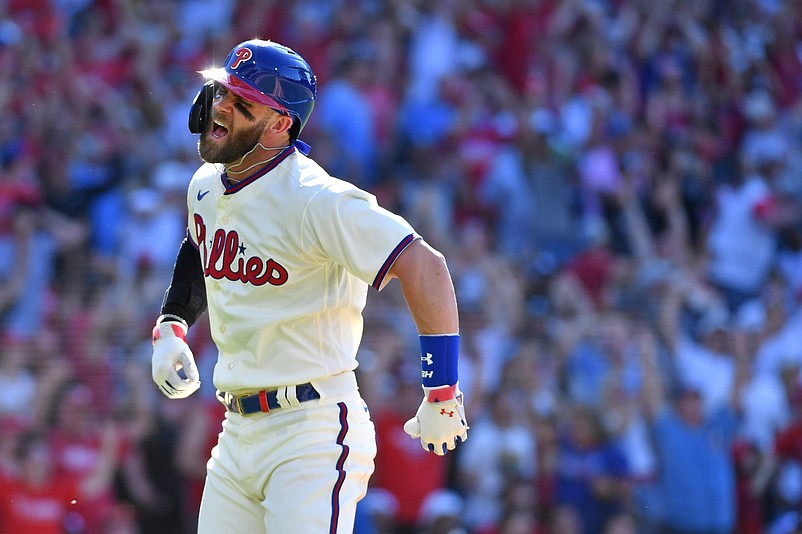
{"points": [[397, 458], [78, 445], [39, 500]]}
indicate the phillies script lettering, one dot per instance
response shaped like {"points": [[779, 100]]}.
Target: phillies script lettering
{"points": [[226, 259]]}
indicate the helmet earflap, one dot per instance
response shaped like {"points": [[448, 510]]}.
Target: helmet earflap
{"points": [[201, 108]]}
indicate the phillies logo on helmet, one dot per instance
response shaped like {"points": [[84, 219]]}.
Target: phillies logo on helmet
{"points": [[242, 54]]}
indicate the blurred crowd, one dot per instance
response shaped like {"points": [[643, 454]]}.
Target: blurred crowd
{"points": [[617, 187]]}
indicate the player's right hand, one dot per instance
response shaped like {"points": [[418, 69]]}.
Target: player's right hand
{"points": [[171, 354]]}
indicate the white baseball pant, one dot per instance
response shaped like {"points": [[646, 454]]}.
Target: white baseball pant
{"points": [[298, 469]]}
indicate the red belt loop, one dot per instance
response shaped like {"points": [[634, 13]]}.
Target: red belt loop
{"points": [[263, 401]]}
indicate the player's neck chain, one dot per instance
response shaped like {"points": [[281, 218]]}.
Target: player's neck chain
{"points": [[228, 171]]}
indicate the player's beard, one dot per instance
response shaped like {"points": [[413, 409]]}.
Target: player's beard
{"points": [[234, 147]]}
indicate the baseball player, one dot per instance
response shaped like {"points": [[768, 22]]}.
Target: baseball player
{"points": [[282, 255]]}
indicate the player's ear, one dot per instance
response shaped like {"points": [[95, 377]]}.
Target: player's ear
{"points": [[280, 125]]}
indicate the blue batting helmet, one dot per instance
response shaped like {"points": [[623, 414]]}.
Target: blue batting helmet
{"points": [[270, 74]]}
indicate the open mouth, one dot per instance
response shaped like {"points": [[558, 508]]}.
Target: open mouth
{"points": [[218, 130]]}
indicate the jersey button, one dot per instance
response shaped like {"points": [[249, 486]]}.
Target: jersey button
{"points": [[230, 366], [224, 220], [222, 329]]}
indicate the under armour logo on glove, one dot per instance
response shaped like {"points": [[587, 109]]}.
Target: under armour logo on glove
{"points": [[440, 421]]}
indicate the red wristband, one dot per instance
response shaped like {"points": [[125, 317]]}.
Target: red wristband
{"points": [[177, 330], [442, 394]]}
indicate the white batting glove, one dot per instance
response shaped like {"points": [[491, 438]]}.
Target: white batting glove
{"points": [[440, 421], [171, 354]]}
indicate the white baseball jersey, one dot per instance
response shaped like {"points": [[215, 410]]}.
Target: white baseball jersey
{"points": [[288, 255]]}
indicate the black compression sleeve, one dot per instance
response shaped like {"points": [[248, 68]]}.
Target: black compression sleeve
{"points": [[186, 296]]}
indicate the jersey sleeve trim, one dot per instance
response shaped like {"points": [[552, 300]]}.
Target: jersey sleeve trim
{"points": [[378, 282]]}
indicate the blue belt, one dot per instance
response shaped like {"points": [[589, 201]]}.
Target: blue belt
{"points": [[264, 401]]}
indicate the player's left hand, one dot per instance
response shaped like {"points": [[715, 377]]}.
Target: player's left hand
{"points": [[440, 421]]}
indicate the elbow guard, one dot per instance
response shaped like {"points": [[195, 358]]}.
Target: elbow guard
{"points": [[186, 296]]}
